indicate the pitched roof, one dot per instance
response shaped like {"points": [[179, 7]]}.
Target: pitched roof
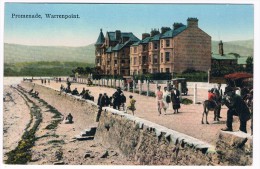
{"points": [[109, 50], [130, 35], [101, 38], [136, 43], [119, 46], [156, 37], [172, 33], [146, 40], [224, 57]]}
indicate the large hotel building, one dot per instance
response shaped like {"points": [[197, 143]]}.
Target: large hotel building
{"points": [[171, 50]]}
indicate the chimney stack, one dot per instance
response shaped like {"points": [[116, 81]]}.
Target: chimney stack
{"points": [[145, 35], [192, 22], [165, 29], [220, 48], [154, 32], [118, 35], [177, 25]]}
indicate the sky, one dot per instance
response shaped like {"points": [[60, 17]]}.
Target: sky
{"points": [[224, 22]]}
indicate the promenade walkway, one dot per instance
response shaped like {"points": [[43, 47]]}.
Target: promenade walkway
{"points": [[188, 121]]}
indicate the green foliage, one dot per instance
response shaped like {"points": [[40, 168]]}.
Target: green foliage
{"points": [[42, 68], [249, 65], [153, 76], [192, 75], [186, 101]]}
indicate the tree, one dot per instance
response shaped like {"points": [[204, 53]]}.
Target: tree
{"points": [[249, 65]]}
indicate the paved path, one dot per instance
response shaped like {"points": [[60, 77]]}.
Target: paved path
{"points": [[188, 121]]}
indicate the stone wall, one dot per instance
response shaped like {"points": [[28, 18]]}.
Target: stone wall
{"points": [[235, 148], [148, 143]]}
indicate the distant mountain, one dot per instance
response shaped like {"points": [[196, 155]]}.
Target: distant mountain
{"points": [[14, 53], [22, 53], [243, 48]]}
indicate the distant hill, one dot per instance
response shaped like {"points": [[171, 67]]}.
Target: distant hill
{"points": [[243, 48], [14, 53]]}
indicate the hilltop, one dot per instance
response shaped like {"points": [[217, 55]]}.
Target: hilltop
{"points": [[243, 47], [14, 53]]}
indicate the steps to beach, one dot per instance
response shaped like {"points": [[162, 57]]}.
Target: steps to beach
{"points": [[87, 134]]}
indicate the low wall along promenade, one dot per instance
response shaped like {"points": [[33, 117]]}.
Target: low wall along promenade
{"points": [[151, 144]]}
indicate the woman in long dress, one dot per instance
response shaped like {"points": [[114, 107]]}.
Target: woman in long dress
{"points": [[165, 102], [175, 97]]}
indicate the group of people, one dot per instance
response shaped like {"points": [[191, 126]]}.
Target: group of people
{"points": [[170, 95], [85, 94], [241, 106], [117, 100], [44, 81]]}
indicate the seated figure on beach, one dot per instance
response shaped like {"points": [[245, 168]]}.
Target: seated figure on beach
{"points": [[69, 119], [75, 92]]}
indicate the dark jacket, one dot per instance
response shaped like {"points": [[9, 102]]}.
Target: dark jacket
{"points": [[239, 105], [104, 101]]}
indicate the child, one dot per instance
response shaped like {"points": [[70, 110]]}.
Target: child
{"points": [[131, 105]]}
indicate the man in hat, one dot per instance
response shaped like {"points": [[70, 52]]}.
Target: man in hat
{"points": [[237, 107], [117, 98], [219, 95]]}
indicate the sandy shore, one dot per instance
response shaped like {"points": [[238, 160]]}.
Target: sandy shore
{"points": [[56, 145]]}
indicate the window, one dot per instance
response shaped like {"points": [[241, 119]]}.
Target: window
{"points": [[123, 72], [161, 69], [144, 61], [150, 45], [115, 54], [155, 45], [150, 59], [139, 60], [115, 62], [161, 43], [135, 60], [167, 43], [135, 49], [144, 47], [167, 70], [155, 59], [144, 71], [123, 61], [167, 56], [108, 62], [161, 57], [115, 72], [154, 70]]}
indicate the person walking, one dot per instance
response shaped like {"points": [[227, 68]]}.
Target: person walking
{"points": [[236, 107], [175, 98], [166, 99], [159, 100], [131, 105]]}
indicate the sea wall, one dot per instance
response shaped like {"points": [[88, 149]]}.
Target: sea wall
{"points": [[148, 143]]}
